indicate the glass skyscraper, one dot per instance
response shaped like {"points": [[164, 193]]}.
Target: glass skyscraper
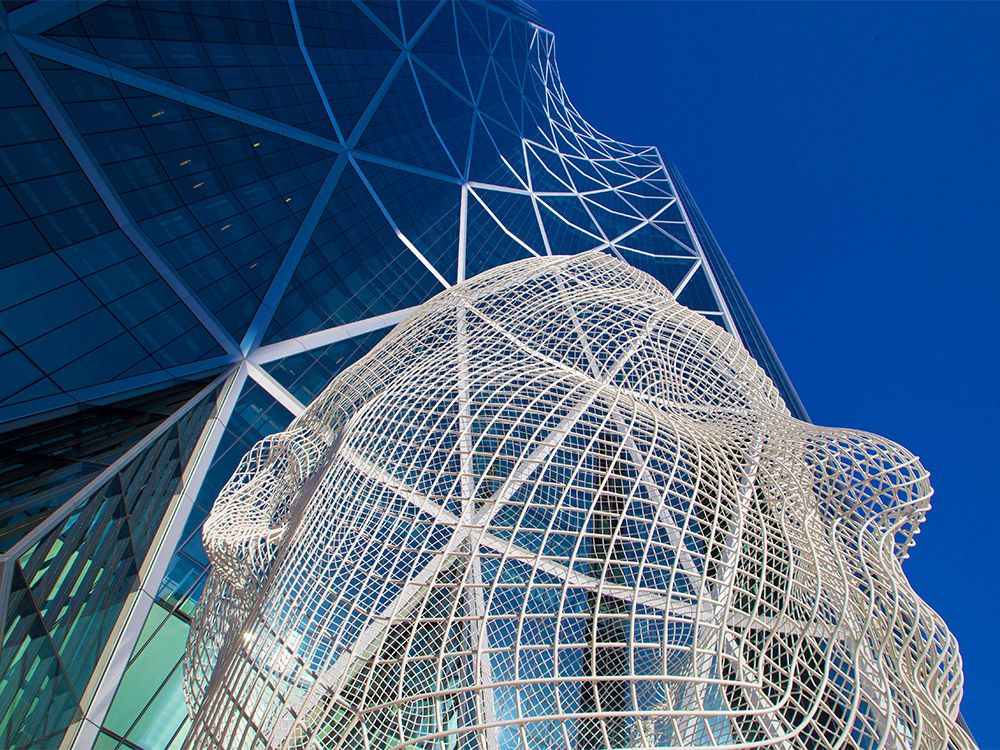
{"points": [[208, 210]]}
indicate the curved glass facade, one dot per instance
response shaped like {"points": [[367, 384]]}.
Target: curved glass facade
{"points": [[207, 210]]}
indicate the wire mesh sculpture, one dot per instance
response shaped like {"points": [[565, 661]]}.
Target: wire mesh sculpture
{"points": [[556, 509]]}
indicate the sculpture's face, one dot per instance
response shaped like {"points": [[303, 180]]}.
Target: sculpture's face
{"points": [[557, 509]]}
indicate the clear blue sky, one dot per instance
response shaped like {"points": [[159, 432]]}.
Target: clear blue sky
{"points": [[847, 157]]}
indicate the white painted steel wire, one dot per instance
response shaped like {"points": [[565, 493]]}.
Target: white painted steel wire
{"points": [[556, 509]]}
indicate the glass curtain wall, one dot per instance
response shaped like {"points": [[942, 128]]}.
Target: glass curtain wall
{"points": [[208, 210]]}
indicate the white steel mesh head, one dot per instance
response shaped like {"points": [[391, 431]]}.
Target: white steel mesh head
{"points": [[556, 509]]}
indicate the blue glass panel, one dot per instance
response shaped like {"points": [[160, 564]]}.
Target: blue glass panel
{"points": [[31, 669], [509, 54], [306, 375], [220, 199], [401, 129], [671, 215], [57, 236], [354, 267], [548, 174], [564, 139], [497, 156], [437, 49], [516, 212], [568, 225], [24, 378], [351, 56], [536, 119], [473, 43], [500, 100], [451, 115], [613, 215], [648, 201], [654, 239], [487, 245], [424, 209], [698, 294], [414, 14], [387, 12], [20, 282], [46, 312], [668, 271], [243, 53], [585, 175]]}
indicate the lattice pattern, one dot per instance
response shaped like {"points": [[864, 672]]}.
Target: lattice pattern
{"points": [[264, 190], [555, 508]]}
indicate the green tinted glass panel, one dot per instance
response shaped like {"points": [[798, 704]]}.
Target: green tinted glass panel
{"points": [[148, 708]]}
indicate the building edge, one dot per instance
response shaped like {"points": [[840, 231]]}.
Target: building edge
{"points": [[745, 319]]}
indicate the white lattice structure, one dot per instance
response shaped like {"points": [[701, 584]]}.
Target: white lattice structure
{"points": [[556, 509]]}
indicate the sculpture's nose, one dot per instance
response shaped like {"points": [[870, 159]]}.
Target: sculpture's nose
{"points": [[874, 485], [251, 512]]}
